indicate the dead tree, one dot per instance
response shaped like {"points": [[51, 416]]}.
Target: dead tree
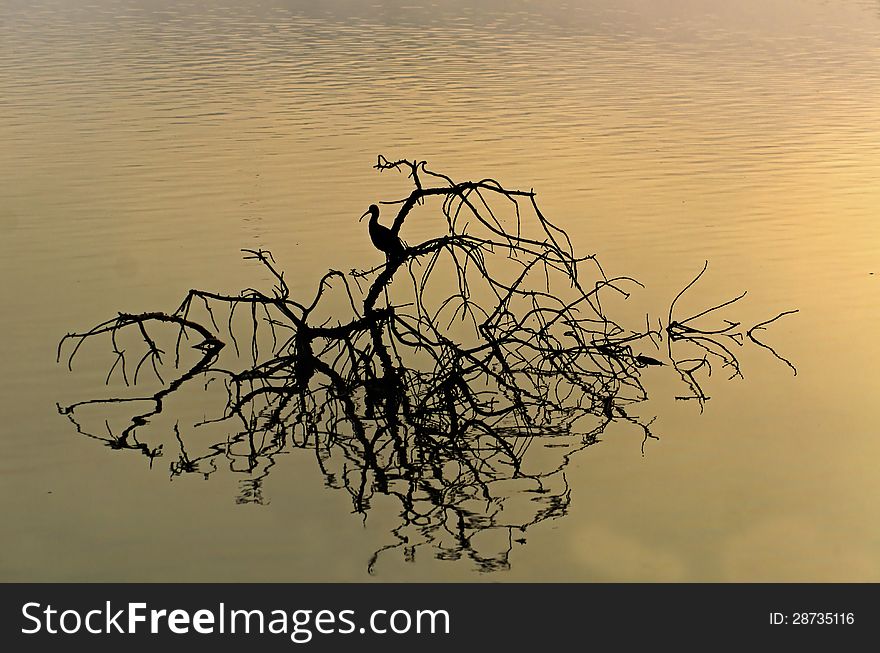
{"points": [[447, 365]]}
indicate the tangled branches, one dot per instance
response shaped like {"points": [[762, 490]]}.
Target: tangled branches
{"points": [[427, 379]]}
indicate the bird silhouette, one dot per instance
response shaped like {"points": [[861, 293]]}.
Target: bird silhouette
{"points": [[384, 239]]}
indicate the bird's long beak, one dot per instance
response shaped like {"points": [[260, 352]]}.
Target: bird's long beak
{"points": [[366, 213]]}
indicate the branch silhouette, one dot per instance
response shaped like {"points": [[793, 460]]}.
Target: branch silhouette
{"points": [[457, 378]]}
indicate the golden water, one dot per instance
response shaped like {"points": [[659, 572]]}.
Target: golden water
{"points": [[144, 143]]}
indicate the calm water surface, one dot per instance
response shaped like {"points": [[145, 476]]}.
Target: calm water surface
{"points": [[145, 143]]}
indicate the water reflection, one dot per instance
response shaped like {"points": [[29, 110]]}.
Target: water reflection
{"points": [[449, 386]]}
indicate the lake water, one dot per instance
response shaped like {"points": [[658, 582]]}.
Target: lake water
{"points": [[145, 143]]}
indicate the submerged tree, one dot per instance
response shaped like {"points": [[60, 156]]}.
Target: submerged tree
{"points": [[456, 378]]}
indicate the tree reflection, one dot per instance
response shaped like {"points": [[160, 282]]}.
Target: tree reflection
{"points": [[453, 382]]}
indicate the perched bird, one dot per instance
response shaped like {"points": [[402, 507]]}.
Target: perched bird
{"points": [[383, 238]]}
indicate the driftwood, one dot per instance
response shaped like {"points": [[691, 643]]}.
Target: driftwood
{"points": [[457, 378]]}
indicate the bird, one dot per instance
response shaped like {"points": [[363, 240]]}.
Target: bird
{"points": [[384, 239]]}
